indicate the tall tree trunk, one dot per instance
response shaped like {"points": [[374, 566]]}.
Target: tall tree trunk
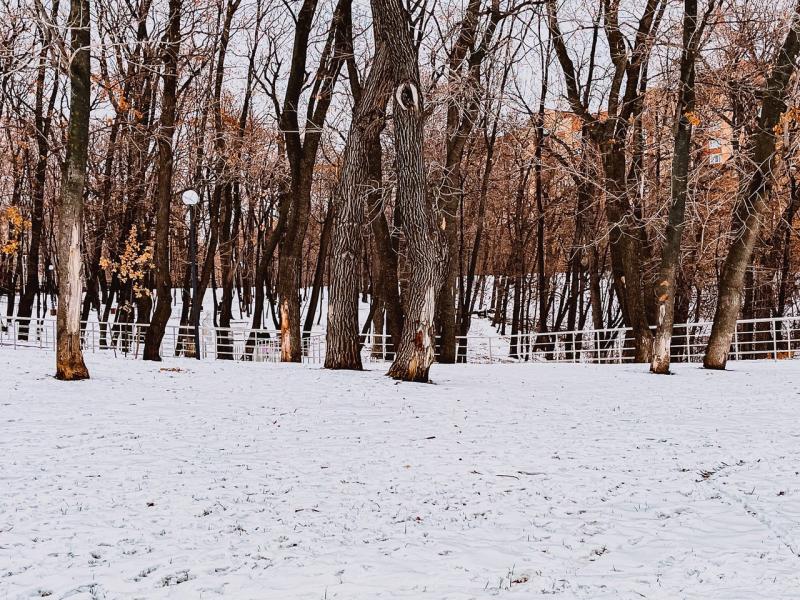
{"points": [[302, 153], [542, 279], [69, 356], [752, 198], [426, 248], [43, 117], [158, 324], [343, 339], [626, 248], [227, 238], [458, 130], [517, 258], [671, 252]]}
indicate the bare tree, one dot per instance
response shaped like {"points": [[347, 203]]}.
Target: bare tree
{"points": [[172, 41], [43, 120], [753, 196], [425, 243], [629, 66], [354, 185], [671, 251], [69, 356], [301, 152], [468, 54]]}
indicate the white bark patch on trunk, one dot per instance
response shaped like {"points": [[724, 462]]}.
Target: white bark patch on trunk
{"points": [[74, 284], [426, 315], [398, 95]]}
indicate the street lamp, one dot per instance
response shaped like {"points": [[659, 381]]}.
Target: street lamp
{"points": [[191, 198]]}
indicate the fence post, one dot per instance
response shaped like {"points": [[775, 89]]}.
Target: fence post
{"points": [[596, 344], [574, 349], [774, 341], [789, 352]]}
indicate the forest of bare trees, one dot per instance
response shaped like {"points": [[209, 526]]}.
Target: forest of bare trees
{"points": [[540, 165]]}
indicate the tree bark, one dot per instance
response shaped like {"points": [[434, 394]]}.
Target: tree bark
{"points": [[69, 356], [342, 338], [426, 246], [301, 154], [158, 324], [752, 198], [670, 254]]}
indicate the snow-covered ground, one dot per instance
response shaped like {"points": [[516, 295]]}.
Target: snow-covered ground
{"points": [[187, 480]]}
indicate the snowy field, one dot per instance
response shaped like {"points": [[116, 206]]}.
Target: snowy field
{"points": [[184, 480]]}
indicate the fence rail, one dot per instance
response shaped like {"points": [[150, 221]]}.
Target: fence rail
{"points": [[771, 338], [127, 340], [768, 338]]}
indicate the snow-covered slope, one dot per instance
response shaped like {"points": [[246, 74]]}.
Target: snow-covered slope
{"points": [[288, 482]]}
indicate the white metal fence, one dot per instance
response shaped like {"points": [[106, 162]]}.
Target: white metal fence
{"points": [[773, 338], [127, 340]]}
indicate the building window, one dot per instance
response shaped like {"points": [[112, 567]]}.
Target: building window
{"points": [[715, 159], [714, 143]]}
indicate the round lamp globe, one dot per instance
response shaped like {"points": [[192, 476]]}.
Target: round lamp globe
{"points": [[190, 198]]}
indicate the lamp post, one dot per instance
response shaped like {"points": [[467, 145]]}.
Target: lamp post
{"points": [[191, 198]]}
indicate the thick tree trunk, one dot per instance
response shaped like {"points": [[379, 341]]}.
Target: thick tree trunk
{"points": [[289, 309], [69, 356], [426, 248], [158, 324], [342, 339], [626, 248], [670, 254], [752, 199]]}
